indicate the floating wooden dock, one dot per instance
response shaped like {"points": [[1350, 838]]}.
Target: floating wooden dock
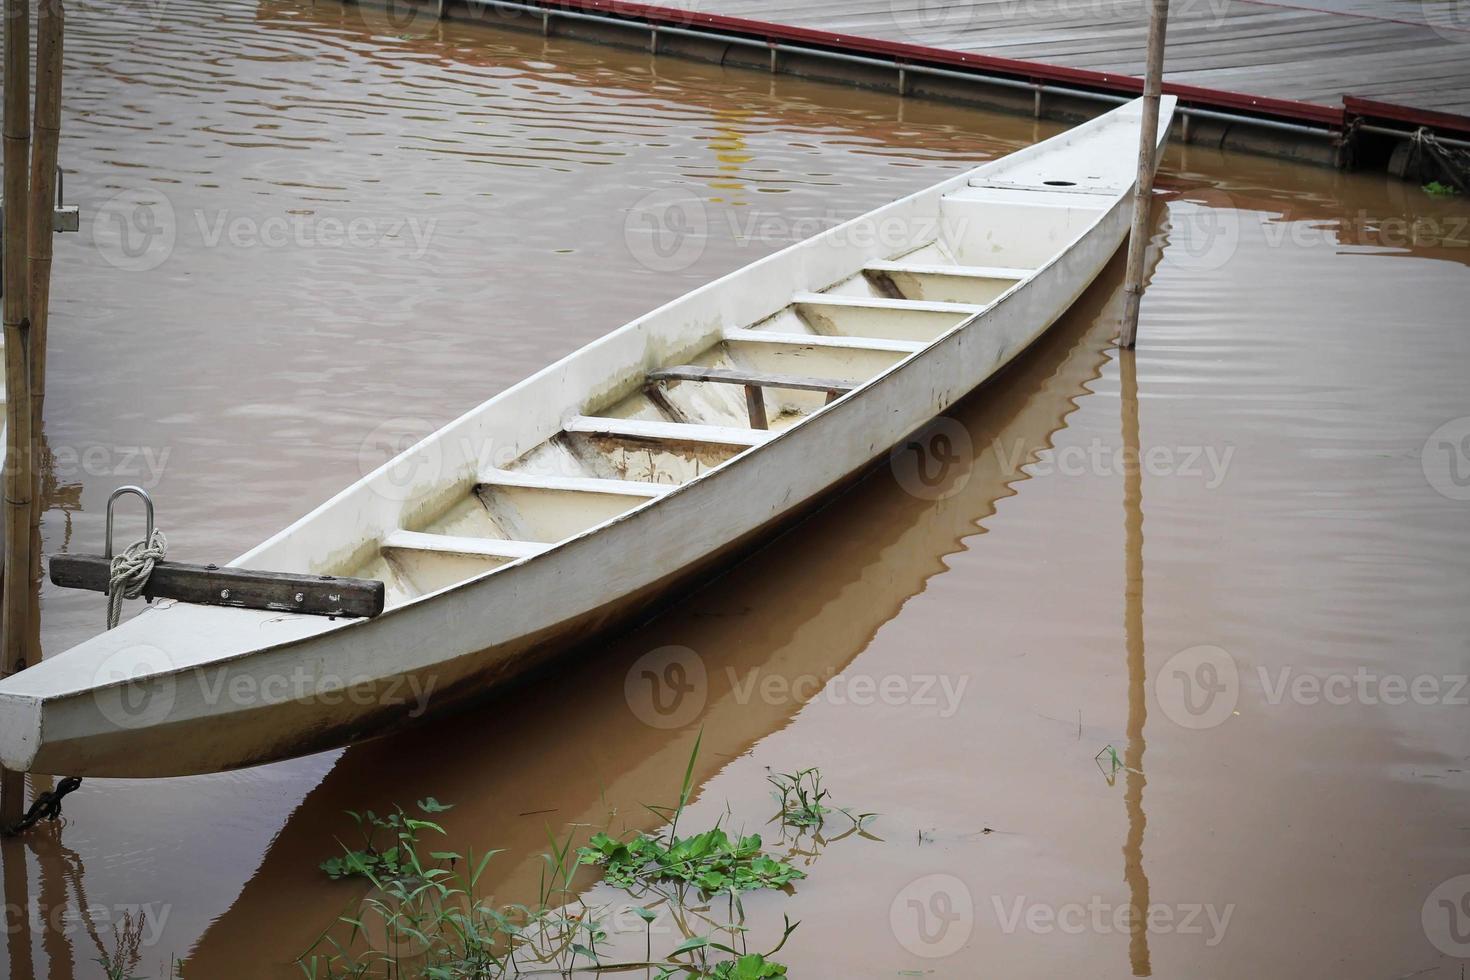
{"points": [[1337, 86], [1290, 58]]}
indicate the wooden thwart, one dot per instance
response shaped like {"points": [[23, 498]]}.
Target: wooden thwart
{"points": [[758, 379], [753, 381], [317, 595], [819, 341], [450, 544], [649, 430], [575, 484]]}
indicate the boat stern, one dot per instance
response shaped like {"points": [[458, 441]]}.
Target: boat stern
{"points": [[20, 731]]}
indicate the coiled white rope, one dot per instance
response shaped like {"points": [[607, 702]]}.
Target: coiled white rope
{"points": [[129, 572]]}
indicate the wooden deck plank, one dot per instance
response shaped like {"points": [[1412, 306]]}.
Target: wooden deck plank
{"points": [[1267, 49], [1046, 42], [1243, 49], [1066, 37], [1381, 65], [1262, 63]]}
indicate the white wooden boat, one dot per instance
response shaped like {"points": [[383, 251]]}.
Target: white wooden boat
{"points": [[574, 499]]}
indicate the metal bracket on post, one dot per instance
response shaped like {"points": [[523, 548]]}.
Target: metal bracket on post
{"points": [[64, 218], [147, 510]]}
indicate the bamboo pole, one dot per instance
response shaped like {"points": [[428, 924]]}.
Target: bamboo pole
{"points": [[47, 134], [50, 28], [17, 478], [1153, 84]]}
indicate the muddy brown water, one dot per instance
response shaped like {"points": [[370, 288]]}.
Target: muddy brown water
{"points": [[335, 234]]}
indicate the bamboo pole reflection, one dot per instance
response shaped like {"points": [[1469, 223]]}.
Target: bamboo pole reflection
{"points": [[1134, 779], [17, 909], [56, 942]]}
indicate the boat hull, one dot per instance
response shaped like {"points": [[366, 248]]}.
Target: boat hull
{"points": [[333, 686]]}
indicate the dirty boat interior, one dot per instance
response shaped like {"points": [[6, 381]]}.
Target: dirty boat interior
{"points": [[689, 414]]}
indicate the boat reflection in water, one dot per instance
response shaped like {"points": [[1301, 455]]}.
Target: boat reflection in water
{"points": [[576, 744]]}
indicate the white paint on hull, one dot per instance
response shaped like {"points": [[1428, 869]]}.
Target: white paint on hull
{"points": [[183, 688]]}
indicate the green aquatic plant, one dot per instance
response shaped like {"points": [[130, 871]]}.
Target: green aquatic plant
{"points": [[377, 858], [803, 801], [740, 966], [425, 915], [1435, 189], [712, 861], [801, 797], [429, 918], [430, 921]]}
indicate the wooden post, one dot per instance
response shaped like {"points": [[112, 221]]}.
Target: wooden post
{"points": [[1153, 84], [17, 479], [50, 27]]}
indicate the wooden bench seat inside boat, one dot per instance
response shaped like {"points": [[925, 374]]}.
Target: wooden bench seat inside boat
{"points": [[687, 417], [691, 415]]}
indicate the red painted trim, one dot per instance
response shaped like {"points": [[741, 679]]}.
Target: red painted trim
{"points": [[939, 57], [1406, 114]]}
